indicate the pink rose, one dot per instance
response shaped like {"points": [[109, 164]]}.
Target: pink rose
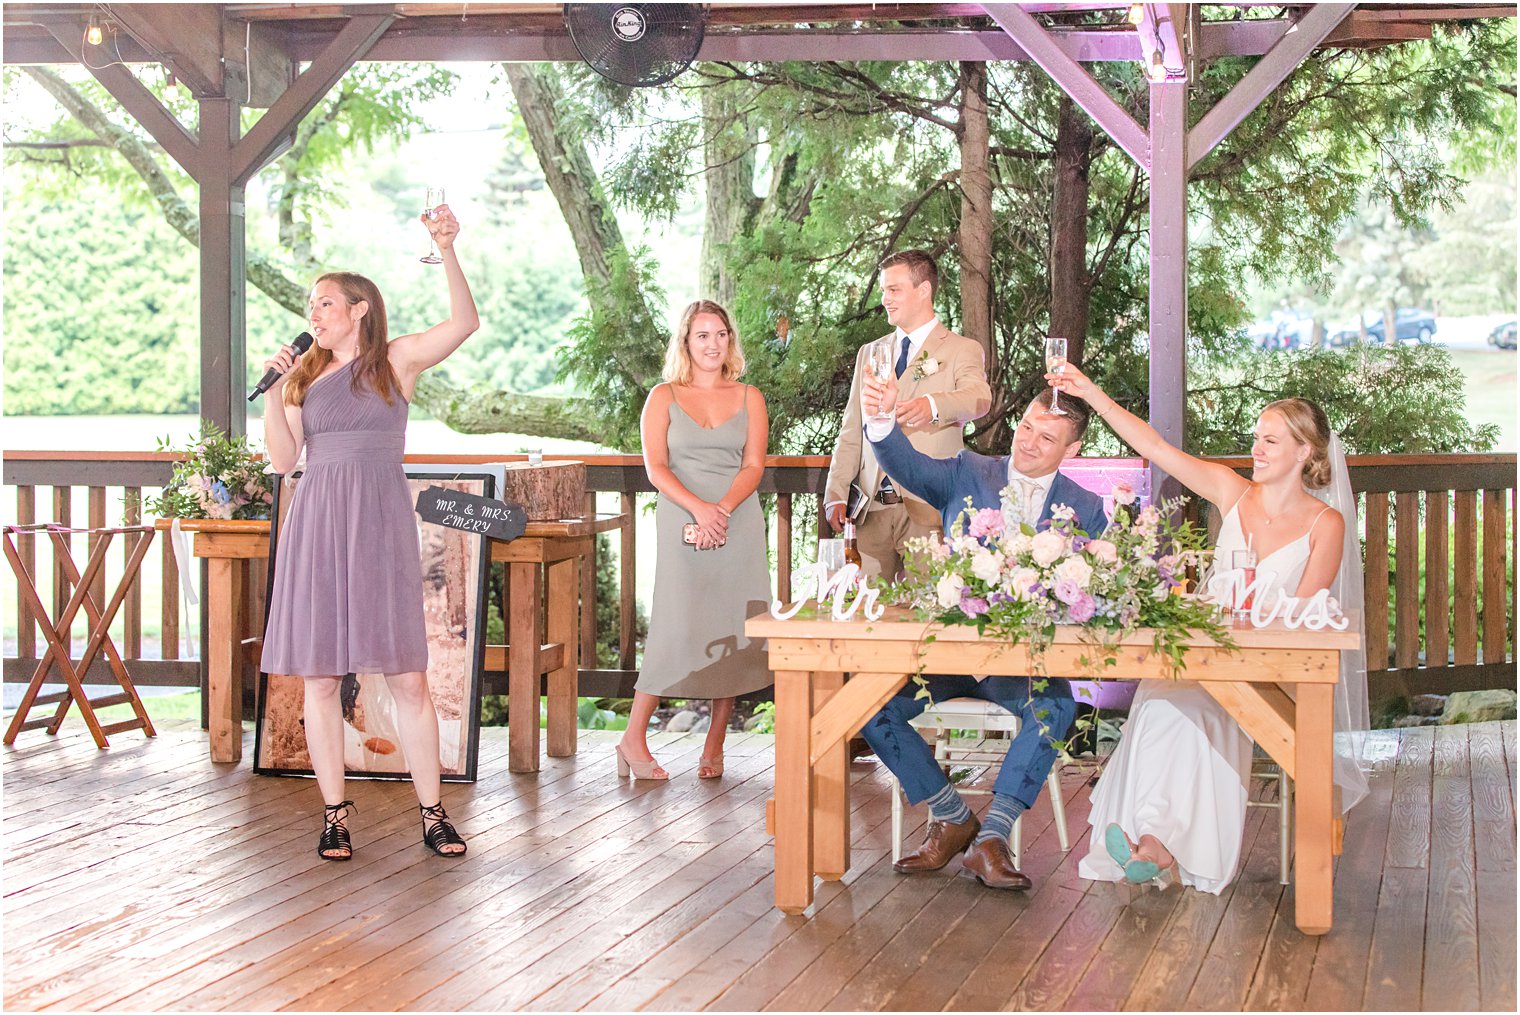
{"points": [[986, 522], [1102, 549]]}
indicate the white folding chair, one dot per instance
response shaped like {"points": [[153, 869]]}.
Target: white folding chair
{"points": [[982, 717]]}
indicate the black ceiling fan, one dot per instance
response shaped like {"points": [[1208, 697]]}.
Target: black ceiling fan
{"points": [[636, 44]]}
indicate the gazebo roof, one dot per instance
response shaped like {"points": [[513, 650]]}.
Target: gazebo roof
{"points": [[1095, 31]]}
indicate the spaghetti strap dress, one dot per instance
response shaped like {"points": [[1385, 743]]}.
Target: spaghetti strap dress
{"points": [[696, 646], [348, 575], [1182, 769]]}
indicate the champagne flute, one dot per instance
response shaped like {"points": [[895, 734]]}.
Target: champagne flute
{"points": [[433, 200], [1055, 362], [879, 359], [1244, 565]]}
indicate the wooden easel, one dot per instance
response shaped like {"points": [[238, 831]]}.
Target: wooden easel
{"points": [[57, 632]]}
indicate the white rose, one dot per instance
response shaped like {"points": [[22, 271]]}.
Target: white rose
{"points": [[1047, 547], [1021, 581], [987, 565], [1076, 569], [948, 589], [930, 367]]}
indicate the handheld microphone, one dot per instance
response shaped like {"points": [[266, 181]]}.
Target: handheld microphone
{"points": [[300, 345]]}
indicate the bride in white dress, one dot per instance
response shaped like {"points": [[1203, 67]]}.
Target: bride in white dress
{"points": [[1172, 799]]}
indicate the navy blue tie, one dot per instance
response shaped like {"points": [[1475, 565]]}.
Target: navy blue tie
{"points": [[902, 357]]}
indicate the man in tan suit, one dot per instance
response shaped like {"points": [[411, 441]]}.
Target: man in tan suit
{"points": [[942, 384]]}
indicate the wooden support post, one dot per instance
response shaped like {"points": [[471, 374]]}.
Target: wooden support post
{"points": [[794, 791], [222, 651], [131, 611], [627, 593], [525, 639], [831, 791], [1168, 265], [26, 619], [63, 510], [1437, 580], [222, 260], [563, 629], [588, 592], [1313, 825], [97, 520]]}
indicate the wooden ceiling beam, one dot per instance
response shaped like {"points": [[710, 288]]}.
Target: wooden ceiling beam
{"points": [[185, 38]]}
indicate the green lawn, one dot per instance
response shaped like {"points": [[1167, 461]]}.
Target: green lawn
{"points": [[1490, 384]]}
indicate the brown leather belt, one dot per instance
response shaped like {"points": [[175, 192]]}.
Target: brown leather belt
{"points": [[888, 497]]}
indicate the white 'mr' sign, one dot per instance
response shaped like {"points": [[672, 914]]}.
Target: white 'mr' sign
{"points": [[845, 591]]}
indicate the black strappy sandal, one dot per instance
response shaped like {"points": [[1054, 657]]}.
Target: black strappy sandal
{"points": [[334, 832], [442, 833]]}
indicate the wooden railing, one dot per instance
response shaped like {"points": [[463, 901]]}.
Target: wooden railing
{"points": [[1439, 533]]}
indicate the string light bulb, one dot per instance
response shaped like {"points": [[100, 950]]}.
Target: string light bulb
{"points": [[1158, 69], [1136, 14], [93, 35]]}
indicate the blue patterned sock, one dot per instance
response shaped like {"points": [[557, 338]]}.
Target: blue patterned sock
{"points": [[997, 823], [947, 806]]}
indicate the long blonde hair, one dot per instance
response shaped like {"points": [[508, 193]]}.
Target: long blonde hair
{"points": [[678, 368], [1309, 426], [373, 368]]}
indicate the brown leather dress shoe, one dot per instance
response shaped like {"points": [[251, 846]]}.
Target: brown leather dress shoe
{"points": [[943, 843], [991, 863]]}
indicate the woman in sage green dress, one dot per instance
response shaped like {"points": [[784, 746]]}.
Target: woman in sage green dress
{"points": [[705, 436]]}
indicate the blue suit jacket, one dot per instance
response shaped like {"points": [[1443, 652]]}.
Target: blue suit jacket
{"points": [[947, 482]]}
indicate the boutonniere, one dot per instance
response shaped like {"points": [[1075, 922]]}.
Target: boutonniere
{"points": [[928, 366]]}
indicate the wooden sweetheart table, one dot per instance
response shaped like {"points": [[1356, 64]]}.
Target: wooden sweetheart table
{"points": [[819, 707]]}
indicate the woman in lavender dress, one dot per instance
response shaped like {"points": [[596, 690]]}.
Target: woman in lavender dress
{"points": [[348, 582]]}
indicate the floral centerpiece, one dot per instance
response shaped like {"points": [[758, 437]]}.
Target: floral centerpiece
{"points": [[1019, 584], [221, 477]]}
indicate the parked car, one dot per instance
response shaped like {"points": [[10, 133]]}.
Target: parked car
{"points": [[1503, 337], [1410, 325], [1342, 334]]}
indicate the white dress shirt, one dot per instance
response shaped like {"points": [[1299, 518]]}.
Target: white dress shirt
{"points": [[1035, 491]]}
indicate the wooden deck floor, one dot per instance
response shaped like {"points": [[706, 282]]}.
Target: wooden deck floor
{"points": [[144, 877]]}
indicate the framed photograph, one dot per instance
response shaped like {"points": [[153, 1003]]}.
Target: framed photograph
{"points": [[455, 568]]}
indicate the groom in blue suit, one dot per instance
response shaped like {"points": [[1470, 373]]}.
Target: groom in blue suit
{"points": [[1026, 487]]}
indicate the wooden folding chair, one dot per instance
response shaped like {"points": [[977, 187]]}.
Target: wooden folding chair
{"points": [[57, 632]]}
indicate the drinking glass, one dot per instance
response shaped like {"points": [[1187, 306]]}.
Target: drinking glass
{"points": [[433, 200], [1055, 362], [879, 359], [1244, 564], [831, 554]]}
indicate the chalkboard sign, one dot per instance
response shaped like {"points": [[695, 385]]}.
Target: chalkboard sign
{"points": [[469, 513]]}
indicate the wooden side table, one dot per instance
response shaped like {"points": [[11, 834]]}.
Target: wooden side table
{"points": [[227, 546], [548, 556]]}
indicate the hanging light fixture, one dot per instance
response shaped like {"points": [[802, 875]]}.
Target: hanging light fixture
{"points": [[1158, 69], [1136, 14], [93, 35]]}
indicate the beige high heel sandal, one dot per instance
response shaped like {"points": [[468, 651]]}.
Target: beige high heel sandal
{"points": [[641, 769], [712, 765]]}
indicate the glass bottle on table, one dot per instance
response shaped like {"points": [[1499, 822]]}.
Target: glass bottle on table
{"points": [[851, 551]]}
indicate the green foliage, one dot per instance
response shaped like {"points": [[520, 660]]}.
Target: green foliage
{"points": [[616, 349], [765, 712], [589, 715], [608, 624], [1404, 399]]}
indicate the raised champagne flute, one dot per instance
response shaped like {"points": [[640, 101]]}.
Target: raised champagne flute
{"points": [[1055, 362], [879, 359], [433, 200]]}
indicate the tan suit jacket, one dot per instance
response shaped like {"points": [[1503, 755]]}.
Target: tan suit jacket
{"points": [[961, 394]]}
